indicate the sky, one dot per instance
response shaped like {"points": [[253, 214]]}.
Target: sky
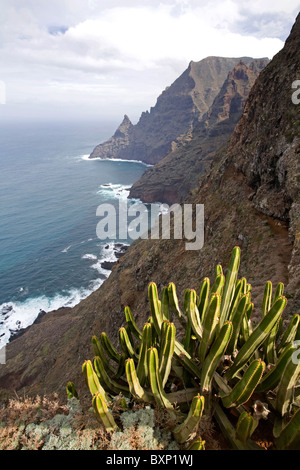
{"points": [[101, 59]]}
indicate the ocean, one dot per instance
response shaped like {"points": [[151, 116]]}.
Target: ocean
{"points": [[49, 192]]}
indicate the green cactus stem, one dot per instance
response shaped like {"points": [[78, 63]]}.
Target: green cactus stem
{"points": [[174, 304], [92, 380], [126, 344], [245, 387], [245, 427], [156, 382], [142, 366], [165, 307], [227, 429], [289, 438], [238, 292], [218, 285], [155, 308], [203, 297], [183, 431], [103, 414], [237, 320], [197, 444], [290, 333], [229, 287], [267, 298], [278, 292], [193, 314], [215, 354], [210, 322], [132, 324], [109, 348], [134, 385], [286, 386], [272, 378], [257, 337], [166, 351], [71, 391], [110, 385]]}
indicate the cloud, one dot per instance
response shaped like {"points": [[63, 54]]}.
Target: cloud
{"points": [[98, 54]]}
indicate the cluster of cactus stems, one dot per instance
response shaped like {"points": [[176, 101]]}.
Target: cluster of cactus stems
{"points": [[223, 362]]}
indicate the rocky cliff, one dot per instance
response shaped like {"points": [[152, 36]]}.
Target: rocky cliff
{"points": [[251, 198], [171, 179], [177, 109], [118, 142]]}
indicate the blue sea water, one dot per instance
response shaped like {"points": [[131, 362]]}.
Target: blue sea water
{"points": [[49, 192]]}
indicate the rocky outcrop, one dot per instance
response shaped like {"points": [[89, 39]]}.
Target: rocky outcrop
{"points": [[172, 179], [172, 118], [118, 142]]}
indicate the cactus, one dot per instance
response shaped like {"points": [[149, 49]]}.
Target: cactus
{"points": [[92, 380], [103, 414], [272, 378], [126, 343], [142, 366], [245, 427], [237, 319], [286, 386], [212, 360], [131, 323], [221, 357], [109, 348], [230, 284], [156, 381], [245, 387], [258, 336], [166, 351], [134, 384], [197, 444], [289, 438], [210, 322], [71, 390], [203, 297], [110, 385], [184, 430]]}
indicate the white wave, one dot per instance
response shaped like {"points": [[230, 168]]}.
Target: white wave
{"points": [[100, 269], [18, 315], [89, 256], [117, 191], [65, 250], [87, 158]]}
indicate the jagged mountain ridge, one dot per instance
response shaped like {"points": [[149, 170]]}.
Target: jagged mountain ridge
{"points": [[52, 351], [173, 117], [171, 179]]}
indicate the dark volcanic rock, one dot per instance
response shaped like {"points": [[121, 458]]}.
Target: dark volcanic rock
{"points": [[119, 141], [172, 118], [175, 175]]}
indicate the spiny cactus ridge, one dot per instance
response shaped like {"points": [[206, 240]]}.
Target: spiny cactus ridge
{"points": [[222, 362]]}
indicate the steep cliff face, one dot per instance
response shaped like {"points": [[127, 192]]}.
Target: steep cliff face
{"points": [[171, 179], [251, 198], [118, 142], [177, 109], [265, 147]]}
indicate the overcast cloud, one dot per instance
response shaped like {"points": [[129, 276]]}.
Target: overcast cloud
{"points": [[105, 58]]}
